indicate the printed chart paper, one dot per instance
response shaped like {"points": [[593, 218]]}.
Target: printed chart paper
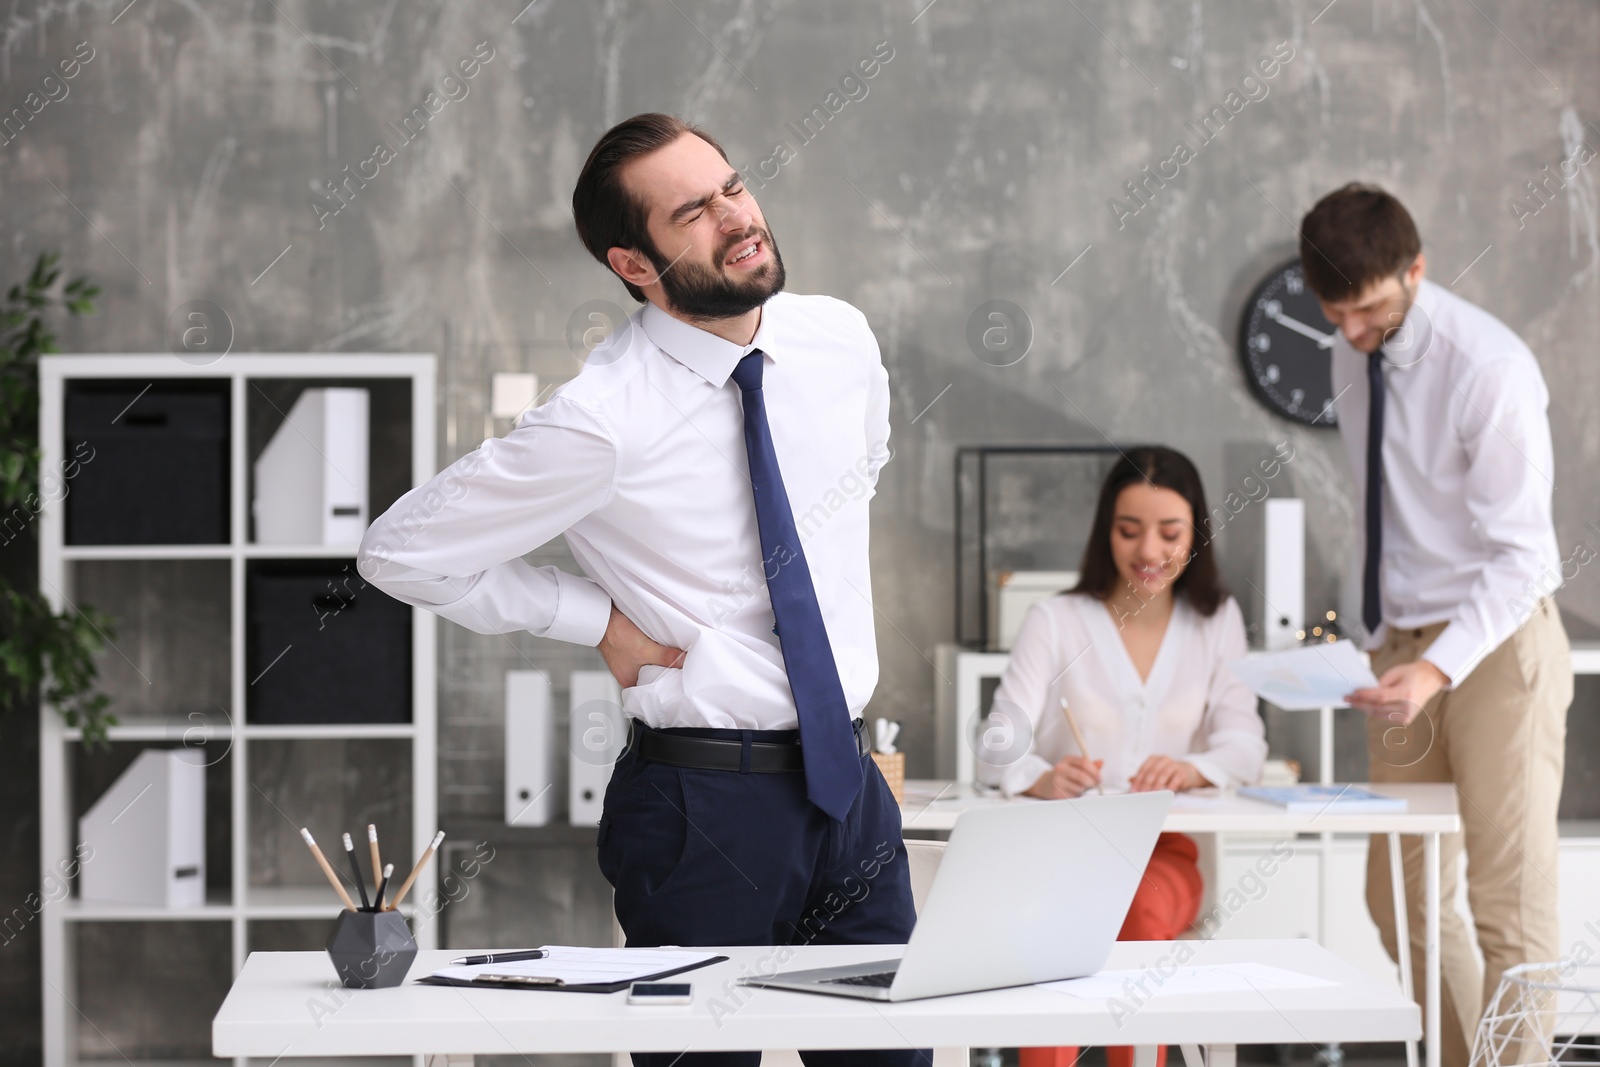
{"points": [[1306, 679]]}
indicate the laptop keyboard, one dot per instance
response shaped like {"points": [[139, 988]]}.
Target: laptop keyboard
{"points": [[880, 980]]}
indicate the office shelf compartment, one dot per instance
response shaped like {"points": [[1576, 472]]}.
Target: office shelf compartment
{"points": [[331, 787], [169, 661], [323, 646], [292, 935], [181, 670], [159, 999], [1018, 508], [151, 462], [94, 772], [268, 402]]}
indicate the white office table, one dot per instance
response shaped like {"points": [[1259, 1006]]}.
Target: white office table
{"points": [[268, 1012], [1431, 810]]}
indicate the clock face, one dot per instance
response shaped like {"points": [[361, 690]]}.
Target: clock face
{"points": [[1286, 346]]}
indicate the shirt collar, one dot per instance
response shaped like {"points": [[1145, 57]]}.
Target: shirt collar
{"points": [[710, 356]]}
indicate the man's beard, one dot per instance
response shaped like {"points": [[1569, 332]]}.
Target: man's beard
{"points": [[698, 291], [1397, 319]]}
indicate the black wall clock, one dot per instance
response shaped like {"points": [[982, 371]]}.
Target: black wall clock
{"points": [[1286, 346]]}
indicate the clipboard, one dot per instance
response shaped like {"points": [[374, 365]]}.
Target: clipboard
{"points": [[558, 985]]}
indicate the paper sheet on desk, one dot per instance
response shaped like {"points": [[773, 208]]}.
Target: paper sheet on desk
{"points": [[1186, 981], [577, 965], [1306, 679]]}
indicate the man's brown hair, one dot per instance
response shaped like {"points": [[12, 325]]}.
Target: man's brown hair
{"points": [[1356, 235], [605, 215]]}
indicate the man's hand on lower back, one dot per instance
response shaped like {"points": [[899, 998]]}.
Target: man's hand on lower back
{"points": [[626, 649]]}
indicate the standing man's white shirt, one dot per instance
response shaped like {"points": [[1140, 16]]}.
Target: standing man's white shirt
{"points": [[640, 461], [1468, 475]]}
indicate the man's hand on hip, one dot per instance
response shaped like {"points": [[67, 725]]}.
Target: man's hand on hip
{"points": [[626, 649], [1401, 692]]}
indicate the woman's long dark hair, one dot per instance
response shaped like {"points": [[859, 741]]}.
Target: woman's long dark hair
{"points": [[1164, 468]]}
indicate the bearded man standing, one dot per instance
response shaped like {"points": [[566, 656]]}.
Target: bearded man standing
{"points": [[718, 428]]}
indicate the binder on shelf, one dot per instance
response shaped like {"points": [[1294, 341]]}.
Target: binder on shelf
{"points": [[1282, 588], [311, 480], [148, 462], [595, 738], [529, 776], [147, 834], [323, 646]]}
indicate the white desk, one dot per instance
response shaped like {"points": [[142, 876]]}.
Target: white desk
{"points": [[268, 1011], [1431, 810]]}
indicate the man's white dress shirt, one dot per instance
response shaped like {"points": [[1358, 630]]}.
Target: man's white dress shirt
{"points": [[1191, 706], [1467, 476], [640, 462]]}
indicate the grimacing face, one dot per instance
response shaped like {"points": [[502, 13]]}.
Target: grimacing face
{"points": [[712, 253], [1152, 529]]}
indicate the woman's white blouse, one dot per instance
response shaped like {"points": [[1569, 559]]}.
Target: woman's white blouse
{"points": [[1192, 706]]}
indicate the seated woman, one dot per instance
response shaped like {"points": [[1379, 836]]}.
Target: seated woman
{"points": [[1139, 652]]}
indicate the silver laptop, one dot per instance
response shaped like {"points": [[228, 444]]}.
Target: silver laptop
{"points": [[1025, 893]]}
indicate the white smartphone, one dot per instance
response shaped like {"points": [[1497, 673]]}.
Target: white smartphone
{"points": [[661, 993]]}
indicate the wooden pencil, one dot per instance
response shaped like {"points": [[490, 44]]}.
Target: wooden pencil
{"points": [[427, 854], [1077, 735], [327, 869]]}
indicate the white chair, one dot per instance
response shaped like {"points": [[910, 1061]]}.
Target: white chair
{"points": [[923, 857]]}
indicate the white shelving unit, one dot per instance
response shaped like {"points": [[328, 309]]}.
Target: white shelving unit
{"points": [[243, 903]]}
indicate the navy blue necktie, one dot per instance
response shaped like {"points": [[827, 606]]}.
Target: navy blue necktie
{"points": [[1371, 608], [827, 737]]}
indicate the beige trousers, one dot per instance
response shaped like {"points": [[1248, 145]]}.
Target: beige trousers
{"points": [[1500, 738]]}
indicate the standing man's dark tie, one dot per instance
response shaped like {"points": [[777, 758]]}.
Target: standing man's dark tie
{"points": [[832, 762], [1371, 609]]}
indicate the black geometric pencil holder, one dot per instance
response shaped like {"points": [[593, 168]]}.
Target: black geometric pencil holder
{"points": [[371, 949]]}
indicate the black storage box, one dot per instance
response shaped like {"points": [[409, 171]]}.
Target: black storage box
{"points": [[323, 646], [158, 473]]}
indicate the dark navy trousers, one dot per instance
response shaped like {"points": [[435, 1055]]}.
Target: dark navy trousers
{"points": [[702, 857]]}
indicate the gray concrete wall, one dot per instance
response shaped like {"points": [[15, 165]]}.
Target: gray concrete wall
{"points": [[979, 164]]}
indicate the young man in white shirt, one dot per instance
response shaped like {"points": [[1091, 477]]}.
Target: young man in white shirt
{"points": [[710, 469], [1442, 409]]}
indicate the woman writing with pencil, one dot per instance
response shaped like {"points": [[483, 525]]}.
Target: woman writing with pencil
{"points": [[1133, 660]]}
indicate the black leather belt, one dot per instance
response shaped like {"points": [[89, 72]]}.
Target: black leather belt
{"points": [[727, 753]]}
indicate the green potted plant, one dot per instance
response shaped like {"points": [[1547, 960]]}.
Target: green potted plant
{"points": [[39, 647]]}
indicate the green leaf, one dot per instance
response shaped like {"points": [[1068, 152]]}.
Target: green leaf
{"points": [[39, 647]]}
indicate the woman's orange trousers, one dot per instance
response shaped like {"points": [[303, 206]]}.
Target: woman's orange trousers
{"points": [[1167, 902]]}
